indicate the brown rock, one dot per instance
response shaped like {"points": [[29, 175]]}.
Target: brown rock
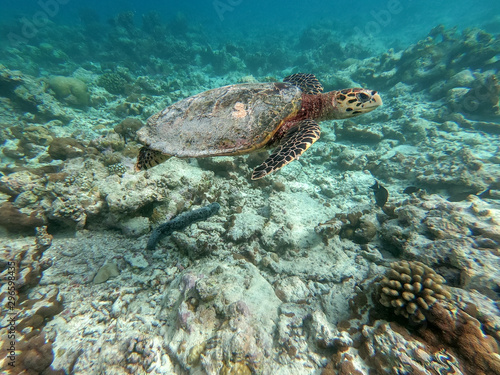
{"points": [[17, 222], [65, 148]]}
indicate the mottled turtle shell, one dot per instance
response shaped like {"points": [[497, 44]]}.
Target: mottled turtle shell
{"points": [[227, 120]]}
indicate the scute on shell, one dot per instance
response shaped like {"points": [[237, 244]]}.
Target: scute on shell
{"points": [[227, 120]]}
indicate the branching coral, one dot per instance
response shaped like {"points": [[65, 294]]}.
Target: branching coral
{"points": [[410, 287]]}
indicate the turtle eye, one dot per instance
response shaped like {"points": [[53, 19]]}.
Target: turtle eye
{"points": [[362, 97]]}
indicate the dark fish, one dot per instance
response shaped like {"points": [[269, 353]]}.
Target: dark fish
{"points": [[458, 197], [411, 190], [485, 194], [381, 194]]}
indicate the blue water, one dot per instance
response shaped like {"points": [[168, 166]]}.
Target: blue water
{"points": [[109, 32], [391, 20]]}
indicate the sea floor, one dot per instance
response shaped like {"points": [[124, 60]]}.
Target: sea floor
{"points": [[288, 276]]}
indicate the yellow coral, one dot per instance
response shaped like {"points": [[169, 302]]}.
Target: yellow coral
{"points": [[238, 368], [410, 287]]}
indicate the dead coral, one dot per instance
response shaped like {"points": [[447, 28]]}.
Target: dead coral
{"points": [[28, 94], [128, 128], [348, 130], [482, 98], [32, 141], [341, 364], [389, 348], [9, 79], [432, 59], [108, 143], [410, 288], [33, 353], [38, 135], [28, 259], [16, 183], [65, 148], [479, 352], [18, 222], [359, 227], [36, 356]]}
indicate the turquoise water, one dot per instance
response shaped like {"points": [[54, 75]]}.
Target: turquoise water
{"points": [[375, 252], [390, 21]]}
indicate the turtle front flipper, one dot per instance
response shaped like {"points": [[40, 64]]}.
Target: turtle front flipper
{"points": [[308, 83], [297, 140], [149, 158]]}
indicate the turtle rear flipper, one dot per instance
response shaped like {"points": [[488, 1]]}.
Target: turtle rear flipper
{"points": [[308, 83], [295, 142], [149, 158]]}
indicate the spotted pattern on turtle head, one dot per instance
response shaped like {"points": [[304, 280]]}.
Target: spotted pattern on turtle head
{"points": [[356, 101]]}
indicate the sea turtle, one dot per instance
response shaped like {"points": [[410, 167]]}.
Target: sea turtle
{"points": [[242, 118]]}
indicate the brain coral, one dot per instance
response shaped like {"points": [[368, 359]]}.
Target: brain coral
{"points": [[70, 89], [410, 287]]}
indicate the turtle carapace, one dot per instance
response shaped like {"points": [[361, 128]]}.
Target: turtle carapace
{"points": [[243, 118]]}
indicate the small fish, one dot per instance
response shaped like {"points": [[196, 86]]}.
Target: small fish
{"points": [[458, 197], [381, 194], [485, 194], [411, 190]]}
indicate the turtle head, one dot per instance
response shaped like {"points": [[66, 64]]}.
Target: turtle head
{"points": [[354, 102]]}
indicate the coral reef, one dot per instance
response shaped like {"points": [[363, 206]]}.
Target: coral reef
{"points": [[410, 288], [464, 347], [128, 127], [389, 347], [435, 231], [118, 169], [311, 242], [114, 83], [204, 302], [71, 90], [65, 148], [422, 63], [14, 220], [33, 352], [460, 331], [429, 347], [29, 94]]}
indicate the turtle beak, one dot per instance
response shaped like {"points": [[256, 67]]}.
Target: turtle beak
{"points": [[368, 100], [376, 100]]}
